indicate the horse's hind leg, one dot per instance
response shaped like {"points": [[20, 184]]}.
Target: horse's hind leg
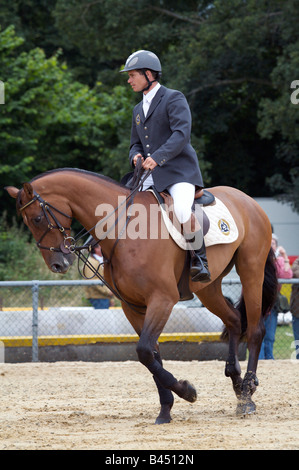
{"points": [[251, 271], [213, 300]]}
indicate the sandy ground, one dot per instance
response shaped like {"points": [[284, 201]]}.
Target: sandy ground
{"points": [[112, 406]]}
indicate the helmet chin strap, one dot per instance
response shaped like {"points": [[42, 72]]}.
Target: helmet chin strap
{"points": [[149, 82]]}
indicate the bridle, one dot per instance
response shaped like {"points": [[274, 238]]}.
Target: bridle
{"points": [[66, 245]]}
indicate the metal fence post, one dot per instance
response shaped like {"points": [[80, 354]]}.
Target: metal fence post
{"points": [[35, 291]]}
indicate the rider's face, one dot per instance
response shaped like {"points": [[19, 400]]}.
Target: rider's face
{"points": [[137, 80]]}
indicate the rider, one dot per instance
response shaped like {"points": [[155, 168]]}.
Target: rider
{"points": [[160, 136]]}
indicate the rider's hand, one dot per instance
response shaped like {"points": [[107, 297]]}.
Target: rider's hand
{"points": [[149, 163], [138, 155]]}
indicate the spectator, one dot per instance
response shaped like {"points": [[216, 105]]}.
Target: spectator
{"points": [[98, 295], [284, 271], [294, 306]]}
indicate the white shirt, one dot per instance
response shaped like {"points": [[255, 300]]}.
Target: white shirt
{"points": [[148, 98]]}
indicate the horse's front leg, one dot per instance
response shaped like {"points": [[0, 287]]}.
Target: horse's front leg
{"points": [[157, 314], [165, 396], [182, 388]]}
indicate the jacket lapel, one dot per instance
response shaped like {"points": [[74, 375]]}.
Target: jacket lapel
{"points": [[139, 114], [157, 98]]}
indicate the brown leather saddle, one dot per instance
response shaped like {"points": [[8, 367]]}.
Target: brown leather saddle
{"points": [[202, 197]]}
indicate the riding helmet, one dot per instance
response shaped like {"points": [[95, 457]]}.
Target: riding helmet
{"points": [[142, 60]]}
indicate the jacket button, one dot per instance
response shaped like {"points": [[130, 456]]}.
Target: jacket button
{"points": [[147, 146], [146, 136]]}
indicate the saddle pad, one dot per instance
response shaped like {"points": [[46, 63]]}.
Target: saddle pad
{"points": [[223, 228]]}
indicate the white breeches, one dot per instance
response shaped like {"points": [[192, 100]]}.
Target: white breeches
{"points": [[183, 198], [182, 195]]}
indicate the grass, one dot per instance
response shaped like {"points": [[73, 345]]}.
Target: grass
{"points": [[283, 348]]}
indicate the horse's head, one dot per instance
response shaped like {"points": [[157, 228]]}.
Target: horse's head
{"points": [[49, 225]]}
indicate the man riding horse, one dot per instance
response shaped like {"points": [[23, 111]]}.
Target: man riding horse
{"points": [[160, 136]]}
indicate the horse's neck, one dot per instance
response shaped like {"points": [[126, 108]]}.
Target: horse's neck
{"points": [[92, 199], [87, 195]]}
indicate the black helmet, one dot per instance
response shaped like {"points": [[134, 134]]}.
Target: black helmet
{"points": [[142, 60]]}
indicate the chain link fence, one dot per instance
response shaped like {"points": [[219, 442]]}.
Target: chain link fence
{"points": [[49, 321]]}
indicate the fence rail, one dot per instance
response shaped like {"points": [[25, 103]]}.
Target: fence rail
{"points": [[58, 313]]}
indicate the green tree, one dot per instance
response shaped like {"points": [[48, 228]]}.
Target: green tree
{"points": [[233, 59], [49, 120], [235, 68], [279, 113]]}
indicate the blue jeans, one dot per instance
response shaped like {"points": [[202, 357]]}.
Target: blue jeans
{"points": [[269, 338], [100, 303], [295, 323]]}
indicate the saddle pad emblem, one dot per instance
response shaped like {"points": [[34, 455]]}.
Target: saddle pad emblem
{"points": [[224, 226]]}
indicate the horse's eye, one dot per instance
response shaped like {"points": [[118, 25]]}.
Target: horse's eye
{"points": [[37, 219]]}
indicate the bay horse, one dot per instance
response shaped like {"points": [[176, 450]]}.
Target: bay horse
{"points": [[146, 270]]}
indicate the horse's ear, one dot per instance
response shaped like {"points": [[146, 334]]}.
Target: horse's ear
{"points": [[12, 191], [28, 190]]}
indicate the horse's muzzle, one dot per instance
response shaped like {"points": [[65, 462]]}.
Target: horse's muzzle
{"points": [[61, 262]]}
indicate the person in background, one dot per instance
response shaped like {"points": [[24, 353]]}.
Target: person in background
{"points": [[283, 271], [98, 295], [294, 306]]}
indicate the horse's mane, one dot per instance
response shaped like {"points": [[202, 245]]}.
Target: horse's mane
{"points": [[78, 170]]}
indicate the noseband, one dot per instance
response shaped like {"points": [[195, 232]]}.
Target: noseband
{"points": [[66, 245]]}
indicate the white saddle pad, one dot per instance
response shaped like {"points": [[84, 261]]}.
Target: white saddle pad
{"points": [[223, 228]]}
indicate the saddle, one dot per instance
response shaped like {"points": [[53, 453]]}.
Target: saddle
{"points": [[202, 197]]}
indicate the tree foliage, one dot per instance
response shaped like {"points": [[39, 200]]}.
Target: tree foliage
{"points": [[50, 120], [67, 105]]}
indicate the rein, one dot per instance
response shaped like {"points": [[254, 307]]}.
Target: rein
{"points": [[68, 245], [72, 248]]}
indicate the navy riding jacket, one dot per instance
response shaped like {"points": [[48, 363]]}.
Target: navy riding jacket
{"points": [[164, 134]]}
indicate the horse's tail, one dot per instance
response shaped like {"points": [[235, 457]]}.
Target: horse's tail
{"points": [[270, 288], [270, 285]]}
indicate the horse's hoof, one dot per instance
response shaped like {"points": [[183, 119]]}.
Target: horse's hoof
{"points": [[246, 409], [164, 415], [188, 391], [162, 420]]}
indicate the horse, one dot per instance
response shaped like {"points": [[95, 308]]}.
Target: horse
{"points": [[145, 270]]}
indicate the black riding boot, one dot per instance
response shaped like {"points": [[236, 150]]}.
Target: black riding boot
{"points": [[199, 270]]}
